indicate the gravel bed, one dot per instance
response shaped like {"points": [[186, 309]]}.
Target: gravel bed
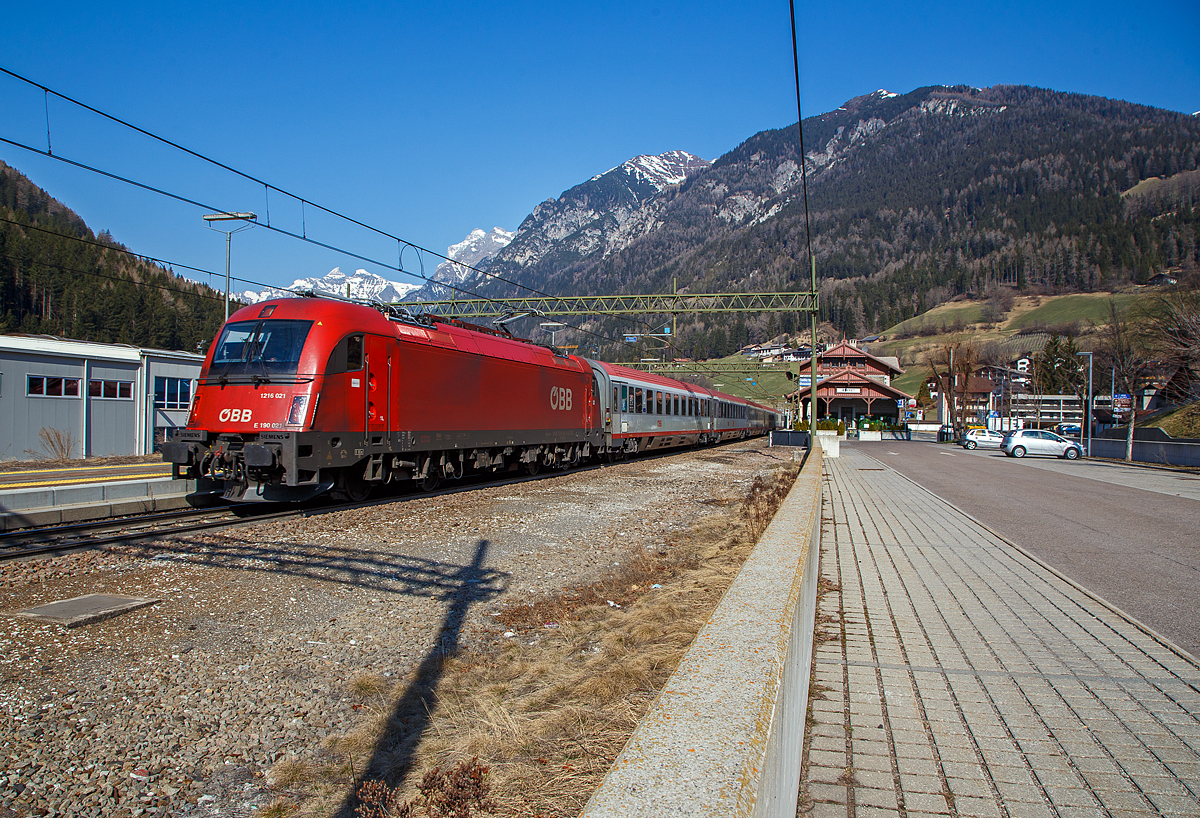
{"points": [[181, 708]]}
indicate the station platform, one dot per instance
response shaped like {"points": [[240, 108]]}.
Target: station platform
{"points": [[955, 674], [76, 494]]}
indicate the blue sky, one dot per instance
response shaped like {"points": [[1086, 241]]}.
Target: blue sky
{"points": [[429, 119]]}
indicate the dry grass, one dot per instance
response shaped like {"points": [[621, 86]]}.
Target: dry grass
{"points": [[548, 710]]}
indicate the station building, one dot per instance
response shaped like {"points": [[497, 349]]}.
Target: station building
{"points": [[853, 383], [74, 399]]}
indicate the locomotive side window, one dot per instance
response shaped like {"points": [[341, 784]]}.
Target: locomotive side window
{"points": [[347, 356], [354, 353]]}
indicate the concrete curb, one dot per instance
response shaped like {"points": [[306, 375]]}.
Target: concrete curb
{"points": [[25, 508], [725, 736]]}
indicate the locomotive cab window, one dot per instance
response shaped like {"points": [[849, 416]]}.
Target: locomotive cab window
{"points": [[262, 348]]}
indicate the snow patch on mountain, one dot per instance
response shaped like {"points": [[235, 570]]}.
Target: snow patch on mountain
{"points": [[477, 248], [956, 106], [359, 285], [661, 171]]}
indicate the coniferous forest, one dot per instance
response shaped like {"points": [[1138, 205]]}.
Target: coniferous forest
{"points": [[53, 283]]}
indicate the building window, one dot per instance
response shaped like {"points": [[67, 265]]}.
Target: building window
{"points": [[114, 390], [45, 386], [172, 393]]}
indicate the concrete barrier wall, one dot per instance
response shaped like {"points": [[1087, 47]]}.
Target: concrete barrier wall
{"points": [[725, 736], [1149, 451], [23, 508]]}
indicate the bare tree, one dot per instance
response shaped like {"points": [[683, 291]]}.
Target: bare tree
{"points": [[1172, 333], [1122, 347], [959, 359]]}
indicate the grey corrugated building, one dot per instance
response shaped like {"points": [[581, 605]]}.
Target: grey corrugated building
{"points": [[78, 399]]}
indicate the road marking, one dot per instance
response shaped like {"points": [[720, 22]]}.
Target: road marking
{"points": [[948, 454], [97, 479], [895, 453]]}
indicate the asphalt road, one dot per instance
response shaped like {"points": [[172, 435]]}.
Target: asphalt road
{"points": [[1129, 535]]}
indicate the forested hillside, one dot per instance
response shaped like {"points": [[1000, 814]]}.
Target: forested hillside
{"points": [[52, 283], [914, 199]]}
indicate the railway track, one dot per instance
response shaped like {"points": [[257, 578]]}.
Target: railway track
{"points": [[57, 539], [63, 538]]}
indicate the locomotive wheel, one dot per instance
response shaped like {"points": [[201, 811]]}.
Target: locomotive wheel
{"points": [[532, 467], [429, 482], [353, 487]]}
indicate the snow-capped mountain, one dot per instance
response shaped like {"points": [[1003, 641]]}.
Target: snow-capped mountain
{"points": [[473, 251], [359, 284], [600, 216]]}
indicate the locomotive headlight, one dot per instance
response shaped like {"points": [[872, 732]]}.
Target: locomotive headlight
{"points": [[296, 415]]}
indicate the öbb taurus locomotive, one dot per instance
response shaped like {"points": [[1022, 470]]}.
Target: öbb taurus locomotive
{"points": [[300, 396]]}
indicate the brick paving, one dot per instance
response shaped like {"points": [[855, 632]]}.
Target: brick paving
{"points": [[954, 675]]}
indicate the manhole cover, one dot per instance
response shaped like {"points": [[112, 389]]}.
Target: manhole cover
{"points": [[84, 610]]}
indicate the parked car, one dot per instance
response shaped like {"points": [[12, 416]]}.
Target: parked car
{"points": [[1039, 441], [1069, 430], [982, 438]]}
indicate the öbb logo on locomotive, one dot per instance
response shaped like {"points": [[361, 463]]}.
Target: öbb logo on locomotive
{"points": [[235, 415], [560, 398]]}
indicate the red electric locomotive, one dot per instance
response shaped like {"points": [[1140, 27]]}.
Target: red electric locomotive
{"points": [[299, 396]]}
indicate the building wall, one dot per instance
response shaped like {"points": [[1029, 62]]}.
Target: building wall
{"points": [[23, 417], [112, 421], [112, 412]]}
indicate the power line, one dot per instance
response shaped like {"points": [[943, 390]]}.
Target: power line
{"points": [[134, 282], [116, 248], [267, 186]]}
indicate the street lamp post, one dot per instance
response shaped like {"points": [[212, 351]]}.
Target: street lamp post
{"points": [[229, 217], [1087, 408]]}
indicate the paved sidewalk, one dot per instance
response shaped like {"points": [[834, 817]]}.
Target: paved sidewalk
{"points": [[956, 676]]}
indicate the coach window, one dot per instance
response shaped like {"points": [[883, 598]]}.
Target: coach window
{"points": [[658, 403], [624, 398], [637, 401]]}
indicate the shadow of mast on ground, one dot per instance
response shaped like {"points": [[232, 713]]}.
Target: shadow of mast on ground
{"points": [[391, 758]]}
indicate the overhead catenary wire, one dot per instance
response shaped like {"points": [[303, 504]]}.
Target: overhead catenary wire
{"points": [[267, 186]]}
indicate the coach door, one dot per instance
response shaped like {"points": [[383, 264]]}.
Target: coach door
{"points": [[378, 389]]}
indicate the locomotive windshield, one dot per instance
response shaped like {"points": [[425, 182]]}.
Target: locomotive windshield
{"points": [[259, 349]]}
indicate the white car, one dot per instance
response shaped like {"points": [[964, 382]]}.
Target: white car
{"points": [[1039, 441], [982, 438]]}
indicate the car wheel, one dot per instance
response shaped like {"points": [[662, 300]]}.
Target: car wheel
{"points": [[971, 444], [1071, 453], [1018, 451]]}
